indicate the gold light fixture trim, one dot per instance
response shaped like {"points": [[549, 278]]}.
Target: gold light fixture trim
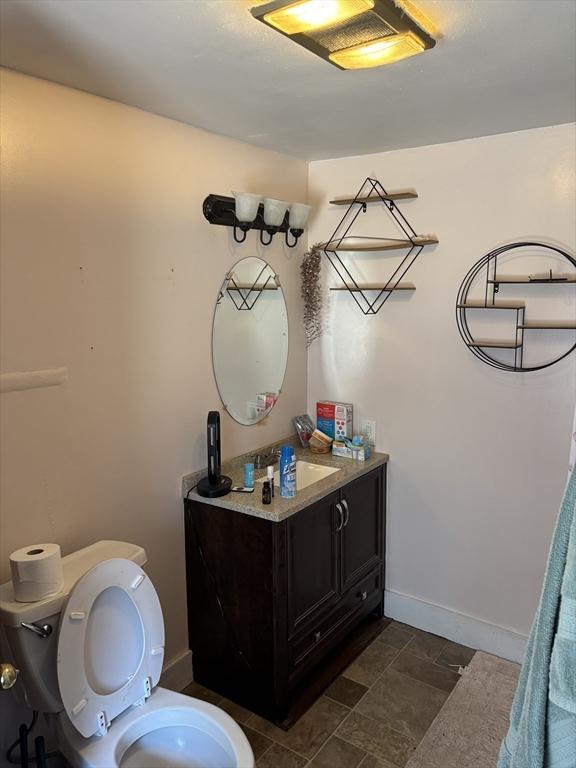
{"points": [[351, 34]]}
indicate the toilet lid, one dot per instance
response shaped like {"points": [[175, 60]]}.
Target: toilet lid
{"points": [[110, 646]]}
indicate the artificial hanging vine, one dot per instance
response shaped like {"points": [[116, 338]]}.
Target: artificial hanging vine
{"points": [[311, 293]]}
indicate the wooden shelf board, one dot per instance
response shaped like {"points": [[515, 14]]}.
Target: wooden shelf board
{"points": [[499, 305], [494, 343], [560, 325], [384, 245], [375, 287], [525, 280], [399, 194], [241, 287]]}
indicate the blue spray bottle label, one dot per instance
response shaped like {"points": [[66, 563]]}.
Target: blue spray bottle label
{"points": [[287, 472]]}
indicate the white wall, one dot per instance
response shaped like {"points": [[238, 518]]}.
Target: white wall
{"points": [[478, 456], [110, 269]]}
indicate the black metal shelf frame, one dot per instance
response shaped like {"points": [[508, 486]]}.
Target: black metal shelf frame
{"points": [[372, 188], [489, 263]]}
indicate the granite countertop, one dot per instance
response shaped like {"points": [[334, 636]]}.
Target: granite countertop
{"points": [[280, 509]]}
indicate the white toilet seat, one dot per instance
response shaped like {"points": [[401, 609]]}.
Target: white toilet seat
{"points": [[110, 652], [110, 644], [171, 731]]}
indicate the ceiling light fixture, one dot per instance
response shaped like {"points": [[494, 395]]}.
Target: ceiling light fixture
{"points": [[350, 34]]}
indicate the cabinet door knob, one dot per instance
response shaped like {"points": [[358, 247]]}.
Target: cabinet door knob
{"points": [[317, 636], [345, 505], [341, 524], [362, 595]]}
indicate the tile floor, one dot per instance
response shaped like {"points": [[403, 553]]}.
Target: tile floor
{"points": [[373, 716]]}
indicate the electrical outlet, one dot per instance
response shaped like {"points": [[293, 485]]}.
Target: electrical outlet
{"points": [[369, 431]]}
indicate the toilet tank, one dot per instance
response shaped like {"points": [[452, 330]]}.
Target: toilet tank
{"points": [[34, 656]]}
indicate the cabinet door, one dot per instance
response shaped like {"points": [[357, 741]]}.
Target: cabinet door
{"points": [[312, 544], [362, 533]]}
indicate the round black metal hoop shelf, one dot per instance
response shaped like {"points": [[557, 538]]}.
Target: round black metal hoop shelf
{"points": [[493, 282]]}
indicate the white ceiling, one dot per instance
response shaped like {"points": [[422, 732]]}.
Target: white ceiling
{"points": [[502, 65]]}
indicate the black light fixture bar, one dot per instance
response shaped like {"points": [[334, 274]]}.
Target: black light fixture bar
{"points": [[221, 210]]}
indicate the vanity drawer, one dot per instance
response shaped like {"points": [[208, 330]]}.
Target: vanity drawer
{"points": [[364, 590], [364, 594]]}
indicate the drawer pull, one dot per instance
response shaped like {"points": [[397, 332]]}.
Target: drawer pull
{"points": [[362, 595], [317, 636]]}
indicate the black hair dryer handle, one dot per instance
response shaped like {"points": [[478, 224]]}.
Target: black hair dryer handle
{"points": [[213, 437]]}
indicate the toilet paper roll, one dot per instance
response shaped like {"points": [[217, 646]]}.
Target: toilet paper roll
{"points": [[36, 572]]}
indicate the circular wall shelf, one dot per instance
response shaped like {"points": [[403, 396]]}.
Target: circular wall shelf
{"points": [[485, 273]]}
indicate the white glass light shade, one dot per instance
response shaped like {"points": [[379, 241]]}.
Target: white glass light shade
{"points": [[246, 205], [299, 213], [274, 211]]}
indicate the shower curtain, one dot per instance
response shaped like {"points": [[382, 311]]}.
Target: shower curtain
{"points": [[542, 730]]}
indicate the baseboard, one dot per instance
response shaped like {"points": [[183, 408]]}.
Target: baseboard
{"points": [[177, 672], [459, 627]]}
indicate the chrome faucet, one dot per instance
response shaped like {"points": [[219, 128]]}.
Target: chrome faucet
{"points": [[262, 460]]}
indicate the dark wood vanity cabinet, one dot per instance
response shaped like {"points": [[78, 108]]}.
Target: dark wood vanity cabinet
{"points": [[273, 605]]}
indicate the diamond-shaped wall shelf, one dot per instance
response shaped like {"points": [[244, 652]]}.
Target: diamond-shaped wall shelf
{"points": [[370, 297]]}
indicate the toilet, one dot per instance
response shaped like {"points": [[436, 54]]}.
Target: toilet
{"points": [[92, 655]]}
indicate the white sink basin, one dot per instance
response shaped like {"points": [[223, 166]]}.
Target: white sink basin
{"points": [[306, 474]]}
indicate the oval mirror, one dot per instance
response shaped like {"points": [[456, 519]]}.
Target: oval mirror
{"points": [[250, 340]]}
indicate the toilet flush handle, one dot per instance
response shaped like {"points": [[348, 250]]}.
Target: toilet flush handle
{"points": [[42, 630]]}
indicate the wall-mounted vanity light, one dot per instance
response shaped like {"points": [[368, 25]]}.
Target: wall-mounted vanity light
{"points": [[247, 210], [274, 214], [246, 207], [297, 220]]}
